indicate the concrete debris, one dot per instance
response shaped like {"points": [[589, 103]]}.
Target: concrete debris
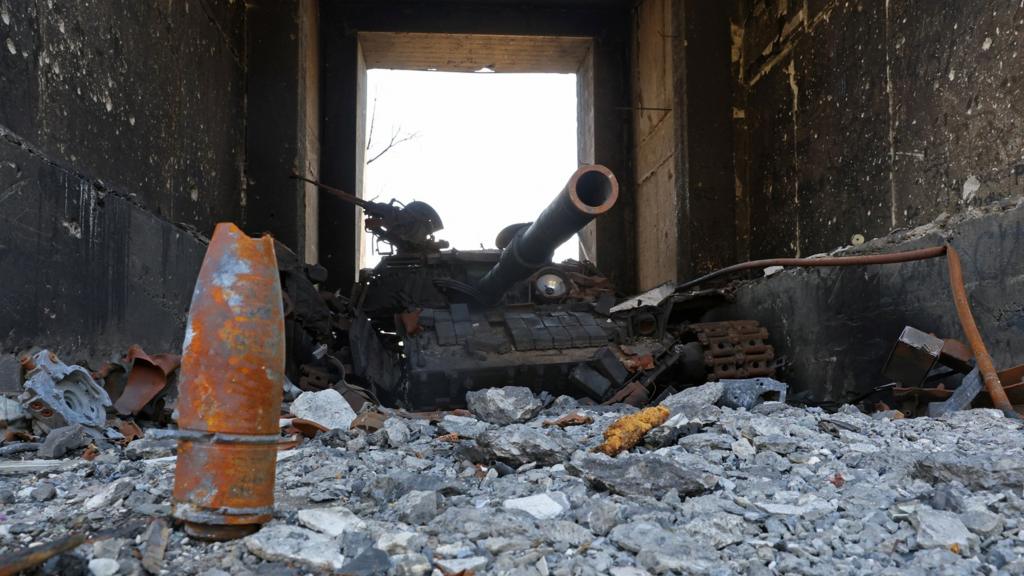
{"points": [[982, 522], [62, 440], [418, 506], [11, 411], [791, 490], [154, 545], [410, 565], [103, 567], [702, 395], [976, 471], [326, 407], [109, 495], [283, 543], [749, 392], [334, 521], [940, 529], [401, 542], [462, 565], [369, 562], [149, 448], [503, 406], [397, 432], [464, 426], [30, 466], [44, 492], [541, 506], [518, 444], [639, 474]]}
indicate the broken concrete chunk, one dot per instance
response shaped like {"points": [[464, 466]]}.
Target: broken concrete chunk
{"points": [[640, 474], [62, 440], [464, 426], [30, 466], [975, 471], [982, 522], [403, 542], [504, 406], [703, 395], [326, 407], [284, 543], [541, 506], [519, 444], [410, 565], [334, 521], [749, 392], [418, 507], [103, 567], [109, 495], [743, 448], [939, 529], [637, 536], [11, 411], [154, 545], [397, 432], [369, 562], [462, 565], [806, 506], [148, 448], [44, 492], [601, 515]]}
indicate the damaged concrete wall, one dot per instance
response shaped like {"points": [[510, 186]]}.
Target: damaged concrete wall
{"points": [[855, 119], [836, 326], [865, 117], [682, 117], [657, 235], [121, 128]]}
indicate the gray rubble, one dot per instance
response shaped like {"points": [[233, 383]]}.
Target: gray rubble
{"points": [[327, 408], [774, 490], [504, 405]]}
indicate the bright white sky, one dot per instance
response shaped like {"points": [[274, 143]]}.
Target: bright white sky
{"points": [[490, 149]]}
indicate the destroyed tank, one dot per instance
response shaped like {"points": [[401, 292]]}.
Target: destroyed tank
{"points": [[428, 324]]}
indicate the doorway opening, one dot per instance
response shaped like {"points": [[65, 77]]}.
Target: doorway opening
{"points": [[484, 149]]}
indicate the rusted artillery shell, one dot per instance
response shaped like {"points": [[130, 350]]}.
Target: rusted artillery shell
{"points": [[229, 401]]}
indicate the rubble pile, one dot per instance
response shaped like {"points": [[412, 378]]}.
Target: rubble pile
{"points": [[517, 488]]}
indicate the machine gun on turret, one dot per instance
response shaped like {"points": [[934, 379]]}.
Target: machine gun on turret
{"points": [[409, 228]]}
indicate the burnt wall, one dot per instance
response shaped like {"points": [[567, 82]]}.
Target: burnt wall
{"points": [[121, 132], [836, 326], [865, 117]]}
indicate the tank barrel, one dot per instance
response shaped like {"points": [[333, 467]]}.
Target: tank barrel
{"points": [[591, 191]]}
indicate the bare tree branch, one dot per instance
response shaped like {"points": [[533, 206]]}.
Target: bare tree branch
{"points": [[373, 117], [396, 138]]}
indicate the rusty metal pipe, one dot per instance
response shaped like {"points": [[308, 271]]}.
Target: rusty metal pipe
{"points": [[591, 191], [993, 385], [963, 310], [232, 374], [866, 260]]}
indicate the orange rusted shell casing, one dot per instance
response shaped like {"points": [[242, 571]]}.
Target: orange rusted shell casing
{"points": [[229, 401]]}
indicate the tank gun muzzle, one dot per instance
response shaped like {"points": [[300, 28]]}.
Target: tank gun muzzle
{"points": [[591, 191]]}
